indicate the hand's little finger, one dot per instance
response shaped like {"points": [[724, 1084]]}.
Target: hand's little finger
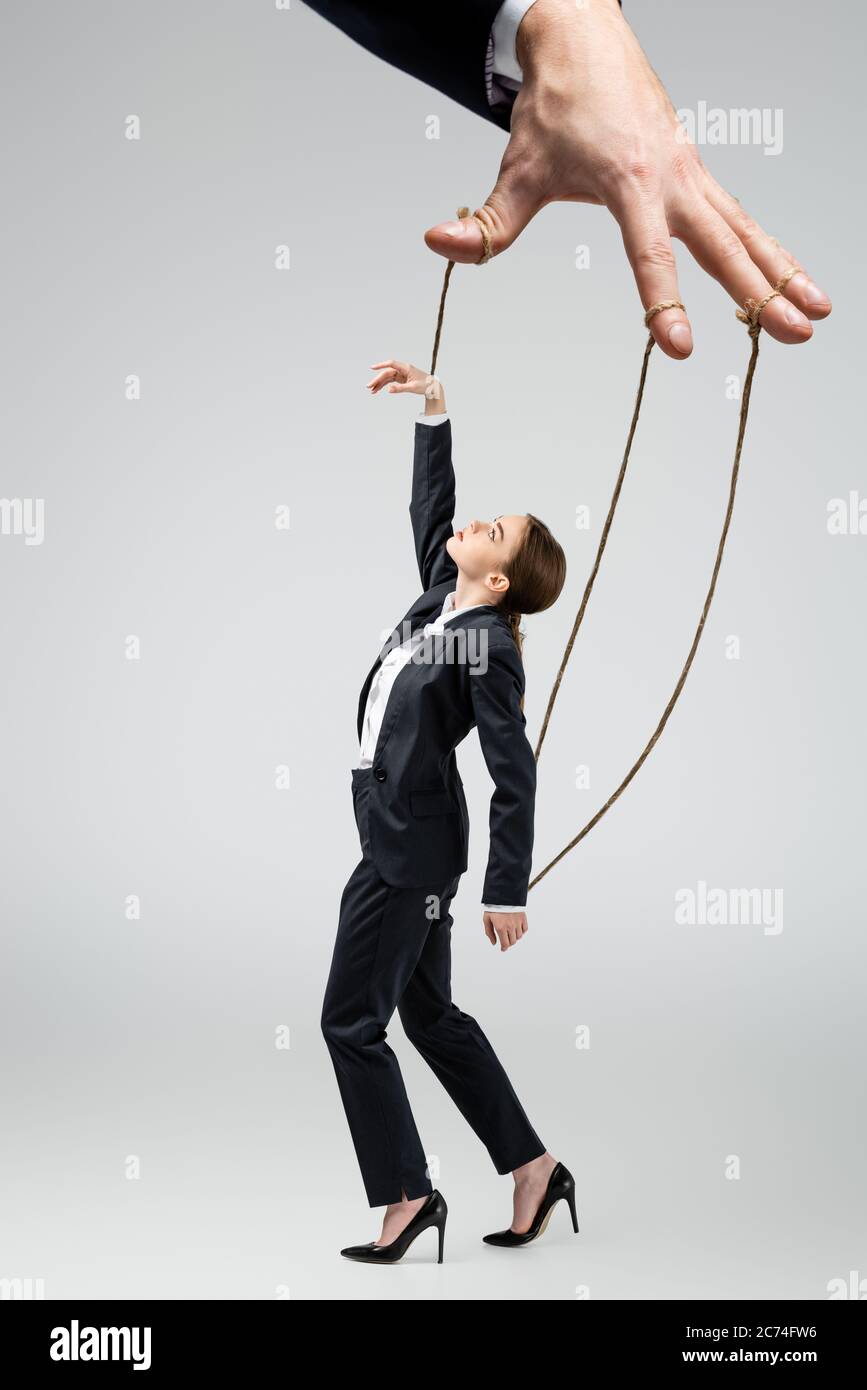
{"points": [[723, 255], [767, 253]]}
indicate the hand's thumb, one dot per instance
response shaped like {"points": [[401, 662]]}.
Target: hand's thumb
{"points": [[510, 207]]}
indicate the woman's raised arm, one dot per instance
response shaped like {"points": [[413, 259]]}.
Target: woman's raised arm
{"points": [[432, 505]]}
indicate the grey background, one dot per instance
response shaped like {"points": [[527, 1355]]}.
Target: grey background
{"points": [[156, 1038]]}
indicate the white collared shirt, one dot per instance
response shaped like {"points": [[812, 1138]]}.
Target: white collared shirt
{"points": [[390, 668], [393, 663]]}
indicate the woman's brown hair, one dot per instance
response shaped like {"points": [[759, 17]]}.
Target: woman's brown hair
{"points": [[536, 574]]}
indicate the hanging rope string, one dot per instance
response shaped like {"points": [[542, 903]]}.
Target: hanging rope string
{"points": [[749, 316], [651, 744], [438, 334], [588, 588]]}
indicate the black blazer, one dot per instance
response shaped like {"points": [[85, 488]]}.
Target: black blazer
{"points": [[444, 45], [418, 823]]}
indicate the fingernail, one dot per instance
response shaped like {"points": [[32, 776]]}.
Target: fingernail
{"points": [[814, 295], [452, 228], [796, 318], [680, 337]]}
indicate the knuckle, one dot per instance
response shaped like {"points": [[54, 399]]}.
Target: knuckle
{"points": [[695, 158], [640, 172], [729, 247], [682, 165], [492, 216], [747, 229], [626, 175], [655, 254]]}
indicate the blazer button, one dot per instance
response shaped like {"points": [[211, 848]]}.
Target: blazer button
{"points": [[379, 774]]}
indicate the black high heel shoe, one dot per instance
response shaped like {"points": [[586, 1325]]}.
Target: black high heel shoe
{"points": [[433, 1213], [561, 1185]]}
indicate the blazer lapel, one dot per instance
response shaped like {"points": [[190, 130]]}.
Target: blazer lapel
{"points": [[427, 606]]}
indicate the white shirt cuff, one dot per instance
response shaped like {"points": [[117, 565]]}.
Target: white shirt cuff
{"points": [[497, 907], [505, 33], [432, 419]]}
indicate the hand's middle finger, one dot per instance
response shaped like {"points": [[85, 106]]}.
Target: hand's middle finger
{"points": [[390, 374]]}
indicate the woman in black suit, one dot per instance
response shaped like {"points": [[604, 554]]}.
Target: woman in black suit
{"points": [[453, 663]]}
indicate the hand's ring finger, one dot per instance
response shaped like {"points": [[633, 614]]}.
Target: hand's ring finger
{"points": [[723, 255]]}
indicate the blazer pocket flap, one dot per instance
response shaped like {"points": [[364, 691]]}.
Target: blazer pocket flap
{"points": [[434, 802]]}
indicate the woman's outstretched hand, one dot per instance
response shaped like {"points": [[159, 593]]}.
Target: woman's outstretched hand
{"points": [[505, 927], [592, 123], [403, 376]]}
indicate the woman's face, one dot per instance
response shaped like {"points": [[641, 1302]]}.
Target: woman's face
{"points": [[482, 549]]}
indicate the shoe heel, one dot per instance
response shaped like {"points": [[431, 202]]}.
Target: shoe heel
{"points": [[570, 1198], [441, 1229]]}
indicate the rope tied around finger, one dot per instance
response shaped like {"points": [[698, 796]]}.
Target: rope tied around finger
{"points": [[658, 308], [753, 307]]}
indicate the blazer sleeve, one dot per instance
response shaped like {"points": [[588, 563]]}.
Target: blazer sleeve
{"points": [[496, 688], [432, 505], [445, 46]]}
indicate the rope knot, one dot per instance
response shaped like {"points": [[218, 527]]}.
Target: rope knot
{"points": [[754, 307], [751, 317]]}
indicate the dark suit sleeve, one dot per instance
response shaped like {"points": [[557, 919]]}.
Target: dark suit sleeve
{"points": [[444, 45], [496, 695], [432, 505]]}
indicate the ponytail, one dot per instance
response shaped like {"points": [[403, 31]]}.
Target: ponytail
{"points": [[514, 621], [536, 573]]}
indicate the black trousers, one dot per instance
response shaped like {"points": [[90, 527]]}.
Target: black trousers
{"points": [[393, 950]]}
